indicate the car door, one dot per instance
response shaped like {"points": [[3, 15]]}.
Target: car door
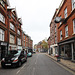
{"points": [[22, 56]]}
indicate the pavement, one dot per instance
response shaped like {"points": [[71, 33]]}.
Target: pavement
{"points": [[67, 63], [38, 64]]}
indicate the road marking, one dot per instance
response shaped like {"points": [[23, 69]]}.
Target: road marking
{"points": [[62, 66], [33, 71], [20, 69], [36, 60]]}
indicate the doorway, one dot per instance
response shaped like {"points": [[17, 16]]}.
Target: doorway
{"points": [[3, 51]]}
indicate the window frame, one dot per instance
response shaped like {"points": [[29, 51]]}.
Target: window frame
{"points": [[66, 31], [74, 26], [65, 12]]}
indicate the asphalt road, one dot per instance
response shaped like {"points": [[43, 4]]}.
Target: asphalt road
{"points": [[38, 64]]}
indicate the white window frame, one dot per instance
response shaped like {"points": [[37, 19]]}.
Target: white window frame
{"points": [[73, 4], [65, 12], [18, 31], [12, 26], [19, 41], [61, 35], [2, 3], [2, 34], [66, 31], [12, 39], [2, 18], [74, 26]]}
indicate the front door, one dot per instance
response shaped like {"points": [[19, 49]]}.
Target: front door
{"points": [[3, 51]]}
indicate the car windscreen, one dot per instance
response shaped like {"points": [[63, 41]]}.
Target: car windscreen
{"points": [[14, 52]]}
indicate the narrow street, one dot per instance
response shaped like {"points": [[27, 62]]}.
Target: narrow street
{"points": [[38, 64]]}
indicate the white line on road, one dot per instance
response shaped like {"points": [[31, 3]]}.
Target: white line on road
{"points": [[20, 69], [36, 59], [33, 71]]}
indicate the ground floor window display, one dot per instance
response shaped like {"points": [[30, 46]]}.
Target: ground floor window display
{"points": [[67, 50]]}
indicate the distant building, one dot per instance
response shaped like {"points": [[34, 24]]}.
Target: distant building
{"points": [[53, 36]]}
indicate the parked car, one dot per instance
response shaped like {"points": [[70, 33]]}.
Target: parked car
{"points": [[14, 58], [29, 54]]}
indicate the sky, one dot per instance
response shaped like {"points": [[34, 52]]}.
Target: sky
{"points": [[36, 16]]}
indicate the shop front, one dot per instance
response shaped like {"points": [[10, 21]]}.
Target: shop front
{"points": [[12, 47], [19, 47], [3, 49], [67, 49]]}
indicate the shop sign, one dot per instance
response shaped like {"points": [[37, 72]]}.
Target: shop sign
{"points": [[3, 43]]}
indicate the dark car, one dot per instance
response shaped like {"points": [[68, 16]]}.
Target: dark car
{"points": [[14, 58]]}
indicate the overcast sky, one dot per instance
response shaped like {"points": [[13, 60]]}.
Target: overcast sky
{"points": [[36, 16]]}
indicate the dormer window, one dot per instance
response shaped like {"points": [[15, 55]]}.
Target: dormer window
{"points": [[12, 27]]}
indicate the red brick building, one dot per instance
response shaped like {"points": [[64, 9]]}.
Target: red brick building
{"points": [[48, 41], [66, 29], [12, 29], [3, 28], [53, 36], [19, 34]]}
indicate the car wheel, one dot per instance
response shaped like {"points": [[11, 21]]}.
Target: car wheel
{"points": [[19, 63]]}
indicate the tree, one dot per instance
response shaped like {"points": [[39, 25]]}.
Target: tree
{"points": [[44, 45]]}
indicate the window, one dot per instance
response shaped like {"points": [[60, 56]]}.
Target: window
{"points": [[73, 4], [13, 16], [61, 35], [12, 26], [60, 22], [66, 31], [2, 18], [19, 41], [65, 12], [74, 26], [3, 4], [18, 31], [12, 39], [1, 35]]}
